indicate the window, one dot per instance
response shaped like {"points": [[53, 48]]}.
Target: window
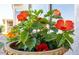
{"points": [[67, 10], [16, 9], [44, 7]]}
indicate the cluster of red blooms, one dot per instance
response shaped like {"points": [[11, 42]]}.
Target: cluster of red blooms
{"points": [[42, 47], [23, 16]]}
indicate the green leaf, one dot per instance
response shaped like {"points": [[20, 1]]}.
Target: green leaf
{"points": [[68, 38], [64, 40], [52, 23], [50, 37], [67, 45], [37, 25], [70, 32], [50, 45], [54, 43], [14, 29], [43, 32], [23, 37], [22, 46], [49, 13], [61, 42], [30, 43], [38, 42], [44, 21], [25, 47], [56, 17], [37, 12], [54, 29], [12, 39], [59, 37]]}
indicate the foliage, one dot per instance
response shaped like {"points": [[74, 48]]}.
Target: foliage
{"points": [[32, 32], [1, 27]]}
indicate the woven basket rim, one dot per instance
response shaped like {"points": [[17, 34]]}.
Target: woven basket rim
{"points": [[7, 47]]}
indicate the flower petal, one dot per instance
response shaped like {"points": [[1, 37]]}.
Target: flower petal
{"points": [[69, 25], [69, 22], [59, 23]]}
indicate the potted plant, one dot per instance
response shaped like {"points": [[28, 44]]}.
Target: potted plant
{"points": [[38, 35]]}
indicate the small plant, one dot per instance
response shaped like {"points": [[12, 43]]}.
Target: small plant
{"points": [[36, 33]]}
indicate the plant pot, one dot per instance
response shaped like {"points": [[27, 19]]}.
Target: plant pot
{"points": [[10, 51]]}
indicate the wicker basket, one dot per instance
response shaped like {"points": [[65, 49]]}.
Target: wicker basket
{"points": [[10, 51]]}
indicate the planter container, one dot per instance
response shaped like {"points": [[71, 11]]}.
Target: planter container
{"points": [[10, 51]]}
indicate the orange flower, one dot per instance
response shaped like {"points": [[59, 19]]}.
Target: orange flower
{"points": [[11, 35], [57, 12], [64, 25], [23, 16], [24, 13]]}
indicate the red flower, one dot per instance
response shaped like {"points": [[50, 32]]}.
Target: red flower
{"points": [[64, 25], [57, 12], [22, 16], [42, 47]]}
